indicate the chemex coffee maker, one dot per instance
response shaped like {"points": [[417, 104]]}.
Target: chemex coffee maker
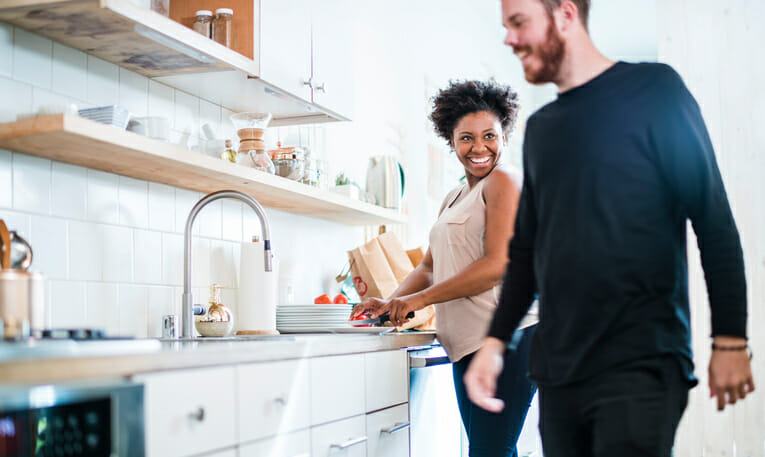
{"points": [[22, 292]]}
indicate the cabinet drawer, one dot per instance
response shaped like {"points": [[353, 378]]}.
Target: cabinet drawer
{"points": [[227, 453], [272, 398], [337, 388], [387, 379], [297, 444], [388, 432], [346, 438], [189, 411]]}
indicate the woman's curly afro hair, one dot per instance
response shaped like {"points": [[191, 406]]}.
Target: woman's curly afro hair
{"points": [[461, 98]]}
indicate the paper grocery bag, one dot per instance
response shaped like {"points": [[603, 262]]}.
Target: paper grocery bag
{"points": [[396, 256], [416, 255], [372, 275]]}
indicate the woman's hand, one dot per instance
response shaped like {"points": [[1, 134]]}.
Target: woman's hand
{"points": [[400, 307], [372, 306]]}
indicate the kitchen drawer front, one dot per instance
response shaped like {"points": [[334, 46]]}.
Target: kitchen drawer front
{"points": [[388, 432], [296, 444], [387, 379], [337, 388], [345, 438], [189, 411], [273, 398]]}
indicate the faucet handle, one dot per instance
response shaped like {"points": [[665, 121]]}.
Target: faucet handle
{"points": [[198, 310]]}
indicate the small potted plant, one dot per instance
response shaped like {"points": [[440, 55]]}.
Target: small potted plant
{"points": [[344, 186]]}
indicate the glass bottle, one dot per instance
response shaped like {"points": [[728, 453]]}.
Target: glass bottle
{"points": [[221, 26], [203, 22], [229, 154]]}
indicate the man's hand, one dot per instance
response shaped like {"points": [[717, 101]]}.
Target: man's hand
{"points": [[730, 374], [481, 377]]}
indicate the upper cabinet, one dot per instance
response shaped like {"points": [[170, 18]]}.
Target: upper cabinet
{"points": [[289, 57]]}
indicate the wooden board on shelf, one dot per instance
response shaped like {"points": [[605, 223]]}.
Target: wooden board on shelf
{"points": [[78, 141], [124, 34]]}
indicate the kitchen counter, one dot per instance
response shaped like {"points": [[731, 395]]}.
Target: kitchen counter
{"points": [[37, 362]]}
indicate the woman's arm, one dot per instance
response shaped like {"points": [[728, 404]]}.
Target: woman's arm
{"points": [[501, 193]]}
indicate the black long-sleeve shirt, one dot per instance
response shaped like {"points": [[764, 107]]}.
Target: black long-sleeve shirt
{"points": [[613, 170]]}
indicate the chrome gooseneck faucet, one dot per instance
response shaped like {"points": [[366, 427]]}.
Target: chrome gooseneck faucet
{"points": [[187, 326]]}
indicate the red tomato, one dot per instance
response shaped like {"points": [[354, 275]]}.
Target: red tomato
{"points": [[322, 299], [340, 299]]}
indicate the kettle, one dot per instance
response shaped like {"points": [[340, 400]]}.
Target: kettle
{"points": [[22, 294], [385, 181]]}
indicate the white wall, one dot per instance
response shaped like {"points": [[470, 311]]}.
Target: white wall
{"points": [[715, 45]]}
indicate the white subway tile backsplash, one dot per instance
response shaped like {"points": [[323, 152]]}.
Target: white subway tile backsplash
{"points": [[210, 220], [19, 222], [67, 304], [250, 225], [172, 259], [200, 262], [161, 101], [70, 67], [222, 269], [16, 97], [184, 201], [231, 220], [186, 113], [228, 131], [49, 240], [133, 310], [6, 49], [103, 197], [85, 260], [209, 113], [69, 190], [134, 202], [6, 179], [161, 207], [31, 183], [43, 99], [134, 92], [117, 253], [32, 58], [148, 257], [161, 303], [102, 307], [102, 82]]}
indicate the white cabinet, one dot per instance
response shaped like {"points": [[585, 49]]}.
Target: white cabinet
{"points": [[387, 380], [332, 77], [346, 438], [388, 432], [337, 387], [189, 412], [285, 45], [296, 444], [272, 398]]}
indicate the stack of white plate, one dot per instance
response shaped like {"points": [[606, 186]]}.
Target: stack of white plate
{"points": [[110, 115], [300, 318]]}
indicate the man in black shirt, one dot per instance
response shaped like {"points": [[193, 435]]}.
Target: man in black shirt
{"points": [[613, 170]]}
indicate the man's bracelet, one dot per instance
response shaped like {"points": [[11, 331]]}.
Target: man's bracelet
{"points": [[740, 347]]}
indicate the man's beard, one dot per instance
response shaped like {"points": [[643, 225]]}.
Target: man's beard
{"points": [[551, 53]]}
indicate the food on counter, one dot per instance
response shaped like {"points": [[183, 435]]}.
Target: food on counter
{"points": [[322, 299], [340, 299]]}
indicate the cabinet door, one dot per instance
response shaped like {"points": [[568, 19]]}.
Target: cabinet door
{"points": [[189, 411], [388, 432], [285, 45], [333, 55], [337, 387], [345, 438], [296, 444], [387, 379]]}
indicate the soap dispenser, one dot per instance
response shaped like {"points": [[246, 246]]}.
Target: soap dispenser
{"points": [[219, 321]]}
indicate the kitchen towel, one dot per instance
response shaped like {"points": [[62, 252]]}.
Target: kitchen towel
{"points": [[257, 291]]}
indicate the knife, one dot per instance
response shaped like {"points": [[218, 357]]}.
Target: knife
{"points": [[377, 321]]}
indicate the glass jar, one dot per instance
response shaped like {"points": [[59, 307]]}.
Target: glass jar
{"points": [[203, 22], [221, 26]]}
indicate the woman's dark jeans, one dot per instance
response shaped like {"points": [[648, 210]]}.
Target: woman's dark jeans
{"points": [[496, 435]]}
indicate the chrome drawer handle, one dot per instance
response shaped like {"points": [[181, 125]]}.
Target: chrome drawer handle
{"points": [[395, 428], [198, 415], [281, 401], [350, 443]]}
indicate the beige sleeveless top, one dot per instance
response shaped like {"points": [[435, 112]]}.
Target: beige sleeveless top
{"points": [[456, 241]]}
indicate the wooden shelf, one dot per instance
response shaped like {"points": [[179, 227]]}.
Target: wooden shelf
{"points": [[79, 141], [155, 46]]}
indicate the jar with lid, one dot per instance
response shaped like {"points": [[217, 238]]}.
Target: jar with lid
{"points": [[203, 22], [221, 26]]}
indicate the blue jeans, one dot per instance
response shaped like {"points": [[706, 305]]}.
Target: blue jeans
{"points": [[496, 435]]}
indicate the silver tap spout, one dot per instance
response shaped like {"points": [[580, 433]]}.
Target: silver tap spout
{"points": [[187, 326]]}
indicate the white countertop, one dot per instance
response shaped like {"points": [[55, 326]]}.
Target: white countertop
{"points": [[36, 362]]}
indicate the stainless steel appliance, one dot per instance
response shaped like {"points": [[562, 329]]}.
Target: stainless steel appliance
{"points": [[93, 420], [436, 427]]}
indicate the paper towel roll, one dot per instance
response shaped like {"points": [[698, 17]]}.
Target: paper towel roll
{"points": [[257, 291]]}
